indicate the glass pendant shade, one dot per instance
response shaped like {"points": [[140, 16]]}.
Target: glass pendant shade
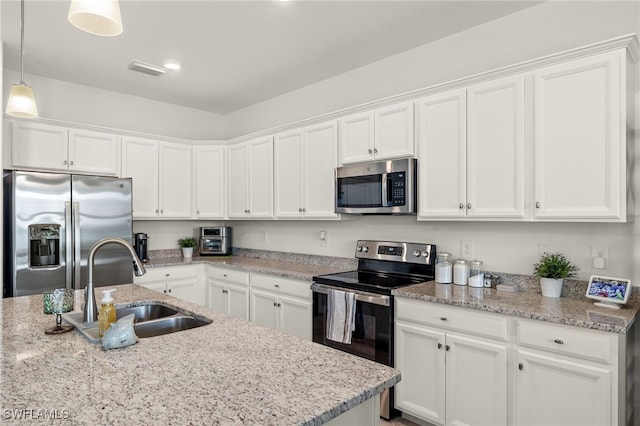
{"points": [[99, 17], [21, 102]]}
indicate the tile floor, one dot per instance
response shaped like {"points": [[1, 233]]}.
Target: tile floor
{"points": [[398, 421]]}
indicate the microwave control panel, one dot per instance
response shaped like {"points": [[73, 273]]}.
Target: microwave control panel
{"points": [[397, 189]]}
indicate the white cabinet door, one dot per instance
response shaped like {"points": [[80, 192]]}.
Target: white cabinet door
{"points": [[216, 296], [250, 179], [442, 138], [553, 391], [140, 162], [394, 131], [261, 178], [320, 160], [187, 290], [175, 180], [93, 152], [289, 167], [356, 138], [295, 316], [495, 149], [238, 301], [209, 182], [420, 356], [263, 308], [476, 390], [38, 146], [580, 157], [237, 181]]}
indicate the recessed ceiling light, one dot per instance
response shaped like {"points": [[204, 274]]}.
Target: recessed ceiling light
{"points": [[172, 65]]}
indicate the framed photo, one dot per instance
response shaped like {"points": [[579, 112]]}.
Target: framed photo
{"points": [[610, 292]]}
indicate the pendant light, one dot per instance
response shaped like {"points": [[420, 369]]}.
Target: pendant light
{"points": [[99, 17], [21, 102]]}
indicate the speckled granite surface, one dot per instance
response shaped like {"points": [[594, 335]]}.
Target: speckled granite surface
{"points": [[286, 265], [230, 372], [579, 312]]}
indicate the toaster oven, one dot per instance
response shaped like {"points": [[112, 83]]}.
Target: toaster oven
{"points": [[215, 241]]}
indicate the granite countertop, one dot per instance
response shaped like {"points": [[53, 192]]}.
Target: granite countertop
{"points": [[580, 312], [281, 267], [227, 372]]}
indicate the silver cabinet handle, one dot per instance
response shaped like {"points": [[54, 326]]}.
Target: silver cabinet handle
{"points": [[161, 211], [157, 211], [304, 210], [370, 152], [461, 206], [537, 204], [65, 162], [375, 150], [439, 345], [468, 206], [443, 318], [71, 163], [558, 341], [197, 211], [299, 209]]}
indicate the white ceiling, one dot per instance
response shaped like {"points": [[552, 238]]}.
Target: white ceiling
{"points": [[233, 53]]}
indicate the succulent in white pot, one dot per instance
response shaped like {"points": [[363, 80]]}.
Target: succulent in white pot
{"points": [[552, 269], [187, 244]]}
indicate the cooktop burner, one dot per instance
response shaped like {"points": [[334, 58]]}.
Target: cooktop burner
{"points": [[384, 266]]}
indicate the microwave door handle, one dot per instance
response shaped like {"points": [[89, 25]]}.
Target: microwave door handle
{"points": [[385, 190]]}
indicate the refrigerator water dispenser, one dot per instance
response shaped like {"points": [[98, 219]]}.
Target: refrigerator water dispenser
{"points": [[44, 246]]}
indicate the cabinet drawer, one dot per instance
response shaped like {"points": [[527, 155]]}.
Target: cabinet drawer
{"points": [[567, 340], [282, 285], [451, 318], [228, 275], [167, 274]]}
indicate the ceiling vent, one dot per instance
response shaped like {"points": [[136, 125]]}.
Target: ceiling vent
{"points": [[147, 68]]}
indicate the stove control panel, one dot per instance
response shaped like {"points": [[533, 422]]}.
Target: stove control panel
{"points": [[424, 254]]}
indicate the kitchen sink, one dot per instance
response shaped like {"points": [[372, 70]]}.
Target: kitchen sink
{"points": [[168, 325], [150, 319], [146, 311]]}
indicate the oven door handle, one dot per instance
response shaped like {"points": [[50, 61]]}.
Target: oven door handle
{"points": [[376, 299]]}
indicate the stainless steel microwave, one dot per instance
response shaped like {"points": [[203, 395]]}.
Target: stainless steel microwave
{"points": [[381, 187]]}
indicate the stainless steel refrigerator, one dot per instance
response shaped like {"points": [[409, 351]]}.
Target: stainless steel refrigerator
{"points": [[51, 221]]}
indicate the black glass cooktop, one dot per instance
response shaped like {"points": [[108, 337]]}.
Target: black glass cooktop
{"points": [[375, 282]]}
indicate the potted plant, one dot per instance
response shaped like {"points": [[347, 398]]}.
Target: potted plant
{"points": [[187, 244], [552, 269]]}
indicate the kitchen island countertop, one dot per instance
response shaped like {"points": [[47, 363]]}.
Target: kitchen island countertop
{"points": [[227, 372]]}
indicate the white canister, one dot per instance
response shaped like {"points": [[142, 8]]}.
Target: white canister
{"points": [[476, 274], [444, 269], [461, 272]]}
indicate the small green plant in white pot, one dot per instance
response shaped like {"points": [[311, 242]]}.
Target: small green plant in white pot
{"points": [[552, 269], [187, 244]]}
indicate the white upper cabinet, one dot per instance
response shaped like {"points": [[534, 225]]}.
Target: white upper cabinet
{"points": [[377, 135], [209, 183], [304, 161], [37, 146], [161, 174], [250, 179], [579, 139], [471, 152]]}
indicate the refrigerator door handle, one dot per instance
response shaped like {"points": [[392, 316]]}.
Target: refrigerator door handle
{"points": [[68, 221], [77, 255]]}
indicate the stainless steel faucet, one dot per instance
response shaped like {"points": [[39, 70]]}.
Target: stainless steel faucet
{"points": [[90, 307]]}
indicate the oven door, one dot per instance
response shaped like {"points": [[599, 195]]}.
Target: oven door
{"points": [[372, 335]]}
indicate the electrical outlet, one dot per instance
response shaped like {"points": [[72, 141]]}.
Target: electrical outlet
{"points": [[466, 249], [324, 240], [263, 236], [600, 251]]}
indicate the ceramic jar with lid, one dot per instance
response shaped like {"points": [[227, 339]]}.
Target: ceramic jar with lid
{"points": [[461, 272]]}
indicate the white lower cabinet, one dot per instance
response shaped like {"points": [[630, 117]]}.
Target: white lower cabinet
{"points": [[228, 291], [182, 282], [449, 377], [282, 304], [568, 376], [464, 367]]}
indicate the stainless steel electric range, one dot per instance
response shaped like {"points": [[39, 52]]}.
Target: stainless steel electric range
{"points": [[382, 267]]}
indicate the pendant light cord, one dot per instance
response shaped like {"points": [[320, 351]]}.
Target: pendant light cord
{"points": [[22, 42]]}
